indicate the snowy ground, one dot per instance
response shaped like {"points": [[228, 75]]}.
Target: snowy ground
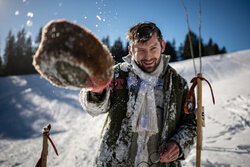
{"points": [[29, 102]]}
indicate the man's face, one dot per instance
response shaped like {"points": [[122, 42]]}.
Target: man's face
{"points": [[147, 55]]}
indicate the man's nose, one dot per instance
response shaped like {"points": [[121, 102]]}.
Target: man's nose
{"points": [[147, 55]]}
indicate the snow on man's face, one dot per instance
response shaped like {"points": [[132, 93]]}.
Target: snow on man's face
{"points": [[147, 55]]}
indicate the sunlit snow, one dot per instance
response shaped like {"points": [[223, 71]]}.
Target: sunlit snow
{"points": [[29, 102]]}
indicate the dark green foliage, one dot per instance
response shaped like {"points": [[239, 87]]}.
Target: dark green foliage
{"points": [[18, 51], [170, 50], [18, 54], [9, 54], [106, 41], [126, 51], [1, 67], [118, 51], [28, 57], [210, 48], [1, 62], [39, 36], [195, 43], [180, 52], [213, 49]]}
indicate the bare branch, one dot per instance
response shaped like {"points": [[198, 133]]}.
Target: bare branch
{"points": [[189, 37], [200, 36]]}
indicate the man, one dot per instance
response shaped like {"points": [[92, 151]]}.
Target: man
{"points": [[146, 123]]}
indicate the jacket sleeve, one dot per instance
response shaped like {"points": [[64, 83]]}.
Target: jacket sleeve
{"points": [[93, 103], [186, 133]]}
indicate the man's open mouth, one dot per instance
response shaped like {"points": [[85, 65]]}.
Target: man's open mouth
{"points": [[148, 63]]}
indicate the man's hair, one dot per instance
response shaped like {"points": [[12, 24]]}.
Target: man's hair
{"points": [[142, 32]]}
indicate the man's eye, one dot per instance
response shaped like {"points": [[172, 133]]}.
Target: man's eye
{"points": [[153, 48]]}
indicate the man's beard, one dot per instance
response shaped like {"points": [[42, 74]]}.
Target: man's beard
{"points": [[152, 67]]}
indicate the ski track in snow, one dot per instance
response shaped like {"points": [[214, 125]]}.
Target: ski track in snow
{"points": [[29, 103]]}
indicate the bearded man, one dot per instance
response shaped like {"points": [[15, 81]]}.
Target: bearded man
{"points": [[146, 124]]}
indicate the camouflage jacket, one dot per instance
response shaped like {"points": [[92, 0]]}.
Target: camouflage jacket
{"points": [[117, 132]]}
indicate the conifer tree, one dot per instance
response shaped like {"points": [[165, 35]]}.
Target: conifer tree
{"points": [[1, 68], [39, 36], [20, 48], [106, 41], [117, 51], [170, 50], [195, 43], [212, 48], [1, 63], [126, 51], [9, 54], [28, 53]]}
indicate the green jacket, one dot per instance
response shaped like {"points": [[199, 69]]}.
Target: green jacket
{"points": [[117, 132]]}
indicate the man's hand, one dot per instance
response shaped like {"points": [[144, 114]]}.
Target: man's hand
{"points": [[171, 153], [99, 87]]}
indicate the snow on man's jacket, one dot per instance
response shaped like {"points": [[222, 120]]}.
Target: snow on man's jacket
{"points": [[117, 138]]}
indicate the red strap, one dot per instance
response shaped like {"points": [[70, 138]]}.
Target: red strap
{"points": [[191, 91], [52, 144], [46, 132]]}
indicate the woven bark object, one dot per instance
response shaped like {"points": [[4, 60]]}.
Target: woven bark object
{"points": [[68, 54]]}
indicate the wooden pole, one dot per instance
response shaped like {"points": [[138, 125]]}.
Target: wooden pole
{"points": [[199, 122], [45, 149]]}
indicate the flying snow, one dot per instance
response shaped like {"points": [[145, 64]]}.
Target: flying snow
{"points": [[99, 18], [30, 14], [28, 34], [29, 23], [16, 12]]}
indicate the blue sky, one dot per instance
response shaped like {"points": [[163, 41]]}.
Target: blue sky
{"points": [[226, 21]]}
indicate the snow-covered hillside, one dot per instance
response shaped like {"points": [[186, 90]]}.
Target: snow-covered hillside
{"points": [[28, 103]]}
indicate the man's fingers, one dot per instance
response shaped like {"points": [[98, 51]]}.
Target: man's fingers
{"points": [[171, 153], [174, 156], [170, 157], [170, 147]]}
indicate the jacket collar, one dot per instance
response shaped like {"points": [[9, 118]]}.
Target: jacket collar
{"points": [[164, 58]]}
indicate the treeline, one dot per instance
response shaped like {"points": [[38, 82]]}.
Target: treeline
{"points": [[182, 53], [19, 51], [18, 55]]}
